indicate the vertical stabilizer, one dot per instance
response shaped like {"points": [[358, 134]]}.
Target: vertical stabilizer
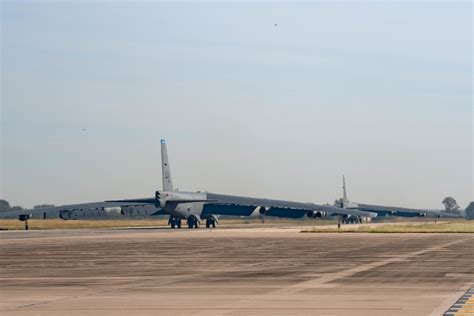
{"points": [[165, 168], [344, 197]]}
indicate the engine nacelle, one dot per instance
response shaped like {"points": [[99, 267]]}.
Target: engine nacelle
{"points": [[315, 214], [259, 212], [82, 213], [134, 210], [421, 214]]}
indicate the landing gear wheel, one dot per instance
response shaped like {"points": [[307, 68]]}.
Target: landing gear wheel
{"points": [[211, 222], [193, 222], [174, 222]]}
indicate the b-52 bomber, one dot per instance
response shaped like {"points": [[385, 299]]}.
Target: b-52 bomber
{"points": [[194, 207], [382, 210]]}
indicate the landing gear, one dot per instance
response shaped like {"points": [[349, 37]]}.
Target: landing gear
{"points": [[193, 222], [174, 222], [211, 222], [351, 220]]}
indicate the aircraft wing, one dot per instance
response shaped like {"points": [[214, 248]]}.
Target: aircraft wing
{"points": [[93, 210], [245, 206], [404, 212]]}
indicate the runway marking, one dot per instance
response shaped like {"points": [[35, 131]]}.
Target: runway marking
{"points": [[317, 281], [463, 306], [326, 280], [101, 292], [323, 281]]}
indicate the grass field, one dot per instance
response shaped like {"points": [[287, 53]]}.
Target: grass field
{"points": [[35, 224], [319, 226], [40, 224], [457, 226]]}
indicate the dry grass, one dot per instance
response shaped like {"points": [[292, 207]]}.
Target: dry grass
{"points": [[40, 224], [440, 227], [322, 226], [36, 224]]}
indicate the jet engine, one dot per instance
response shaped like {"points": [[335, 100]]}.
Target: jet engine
{"points": [[81, 213], [262, 210], [259, 211], [134, 210], [315, 214]]}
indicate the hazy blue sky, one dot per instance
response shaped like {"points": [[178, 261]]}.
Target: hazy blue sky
{"points": [[381, 92]]}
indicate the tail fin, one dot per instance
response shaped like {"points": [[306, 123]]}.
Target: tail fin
{"points": [[165, 168], [345, 200]]}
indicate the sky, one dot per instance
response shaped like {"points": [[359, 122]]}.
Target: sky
{"points": [[275, 100]]}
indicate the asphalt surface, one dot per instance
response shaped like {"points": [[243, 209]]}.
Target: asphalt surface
{"points": [[255, 271]]}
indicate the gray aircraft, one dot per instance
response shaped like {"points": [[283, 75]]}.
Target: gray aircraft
{"points": [[388, 210], [195, 207], [192, 207]]}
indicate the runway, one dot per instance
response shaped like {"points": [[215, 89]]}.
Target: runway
{"points": [[253, 271]]}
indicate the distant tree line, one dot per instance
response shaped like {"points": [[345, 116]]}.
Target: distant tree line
{"points": [[451, 205], [6, 207]]}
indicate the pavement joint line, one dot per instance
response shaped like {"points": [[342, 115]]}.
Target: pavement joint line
{"points": [[101, 292], [98, 292], [173, 282], [345, 273], [324, 280]]}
